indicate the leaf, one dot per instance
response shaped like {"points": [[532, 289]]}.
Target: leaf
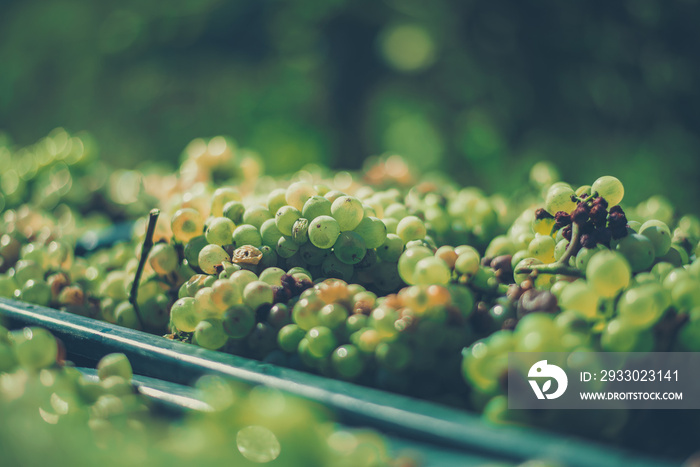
{"points": [[546, 386]]}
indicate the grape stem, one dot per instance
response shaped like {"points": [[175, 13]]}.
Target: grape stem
{"points": [[145, 250], [561, 266]]}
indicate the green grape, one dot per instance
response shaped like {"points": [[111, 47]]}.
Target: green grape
{"points": [[560, 249], [638, 250], [228, 269], [525, 263], [246, 235], [347, 361], [431, 270], [642, 306], [224, 293], [242, 278], [542, 247], [219, 231], [332, 267], [390, 251], [312, 255], [238, 321], [321, 341], [355, 322], [37, 292], [584, 255], [349, 248], [192, 249], [608, 273], [269, 257], [270, 233], [272, 276], [163, 259], [396, 211], [579, 296], [393, 356], [467, 262], [276, 199], [411, 228], [183, 314], [154, 311], [332, 195], [210, 334], [324, 231], [676, 255], [391, 225], [258, 293], [689, 334], [373, 232], [35, 348], [61, 255], [205, 306], [287, 247], [502, 245], [234, 210], [114, 364], [610, 188], [125, 315], [211, 257], [186, 224], [333, 315], [618, 336], [285, 218], [305, 312], [8, 285], [300, 231], [559, 199], [448, 255], [348, 212], [28, 270], [298, 194], [221, 197], [256, 216], [659, 234], [289, 337], [686, 294], [408, 261], [316, 206]]}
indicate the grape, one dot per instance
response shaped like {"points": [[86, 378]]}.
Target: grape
{"points": [[431, 270], [276, 199], [642, 306], [278, 316], [560, 249], [316, 206], [610, 188], [60, 255], [125, 315], [333, 267], [287, 247], [298, 194], [542, 248], [285, 218], [305, 313], [163, 259], [312, 255], [37, 292], [686, 294], [559, 199], [8, 285], [348, 212], [219, 231], [211, 257], [221, 198], [659, 234], [270, 234], [186, 224], [347, 361], [115, 364], [225, 293], [238, 321], [467, 262], [676, 255], [210, 334], [411, 228], [349, 248], [355, 322], [525, 263], [333, 315], [578, 296], [246, 235], [321, 341], [618, 336], [608, 273], [584, 255], [391, 225], [324, 231], [289, 337], [300, 231], [256, 216], [396, 211], [242, 278], [26, 270], [258, 293], [35, 348], [638, 250], [183, 314], [192, 249], [272, 276], [373, 231], [390, 251], [408, 261], [234, 210], [393, 356]]}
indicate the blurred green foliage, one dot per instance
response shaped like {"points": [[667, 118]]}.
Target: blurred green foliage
{"points": [[478, 89]]}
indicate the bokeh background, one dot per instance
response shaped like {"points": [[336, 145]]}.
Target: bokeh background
{"points": [[478, 89]]}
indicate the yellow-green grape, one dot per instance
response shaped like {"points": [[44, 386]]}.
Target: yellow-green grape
{"points": [[257, 293], [638, 250], [186, 224], [211, 257], [525, 263], [390, 251], [163, 259], [560, 249], [559, 199], [584, 191], [686, 294], [276, 199], [221, 197], [35, 348], [256, 216], [411, 228], [245, 234], [659, 234], [610, 188], [642, 306], [234, 210], [579, 296], [184, 315], [269, 233], [323, 232], [348, 211], [543, 173], [298, 194], [431, 270], [285, 218], [500, 245], [468, 262], [210, 334], [115, 364], [125, 315], [544, 224], [373, 231], [316, 206], [408, 261], [225, 293], [542, 248], [219, 231], [585, 254], [608, 273]]}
